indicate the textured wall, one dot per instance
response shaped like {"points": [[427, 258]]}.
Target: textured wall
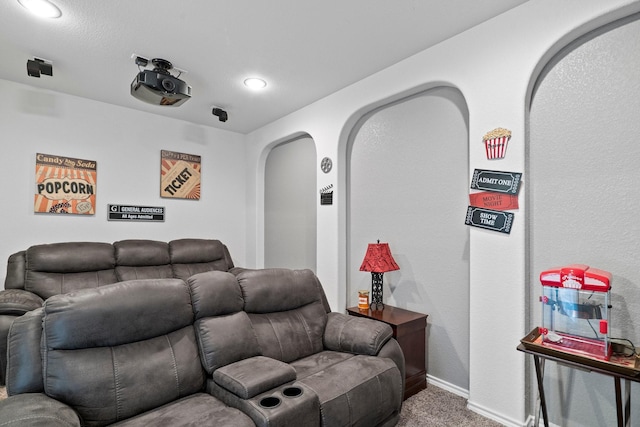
{"points": [[290, 205], [409, 187], [584, 172], [126, 145]]}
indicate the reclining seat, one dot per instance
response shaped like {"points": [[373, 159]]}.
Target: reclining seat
{"points": [[262, 387], [333, 354], [50, 269], [124, 353]]}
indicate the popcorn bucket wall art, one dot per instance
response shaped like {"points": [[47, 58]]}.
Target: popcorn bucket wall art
{"points": [[495, 143], [65, 185], [179, 175]]}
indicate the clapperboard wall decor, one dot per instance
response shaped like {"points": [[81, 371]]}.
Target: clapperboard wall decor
{"points": [[326, 195]]}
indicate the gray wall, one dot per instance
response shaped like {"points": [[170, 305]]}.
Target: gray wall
{"points": [[290, 205], [408, 186], [584, 197]]}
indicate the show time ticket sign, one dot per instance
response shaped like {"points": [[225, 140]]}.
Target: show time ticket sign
{"points": [[65, 185], [179, 175], [496, 181], [489, 219], [135, 213]]}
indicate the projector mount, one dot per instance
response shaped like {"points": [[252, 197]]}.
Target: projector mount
{"points": [[159, 65]]}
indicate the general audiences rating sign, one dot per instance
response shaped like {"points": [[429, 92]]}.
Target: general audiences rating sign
{"points": [[135, 213]]}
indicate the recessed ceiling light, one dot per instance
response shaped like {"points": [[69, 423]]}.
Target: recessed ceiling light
{"points": [[42, 8], [255, 83]]}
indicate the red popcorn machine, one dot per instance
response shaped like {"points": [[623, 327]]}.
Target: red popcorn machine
{"points": [[575, 310]]}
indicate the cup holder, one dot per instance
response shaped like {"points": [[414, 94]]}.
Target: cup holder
{"points": [[269, 402], [292, 391]]}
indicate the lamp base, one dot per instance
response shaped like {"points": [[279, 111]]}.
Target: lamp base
{"points": [[376, 292], [376, 306]]}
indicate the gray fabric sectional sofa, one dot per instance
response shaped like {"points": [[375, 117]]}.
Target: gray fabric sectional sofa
{"points": [[222, 348], [41, 271]]}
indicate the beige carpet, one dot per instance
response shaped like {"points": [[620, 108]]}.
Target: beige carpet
{"points": [[433, 407]]}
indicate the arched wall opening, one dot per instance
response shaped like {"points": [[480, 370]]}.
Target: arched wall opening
{"points": [[407, 184], [290, 205], [582, 163]]}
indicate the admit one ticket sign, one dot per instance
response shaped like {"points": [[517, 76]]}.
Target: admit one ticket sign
{"points": [[498, 194]]}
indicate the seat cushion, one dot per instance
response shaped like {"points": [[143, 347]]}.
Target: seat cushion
{"points": [[197, 410], [359, 391], [317, 362]]}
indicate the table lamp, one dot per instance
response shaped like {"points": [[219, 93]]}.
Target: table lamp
{"points": [[378, 260]]}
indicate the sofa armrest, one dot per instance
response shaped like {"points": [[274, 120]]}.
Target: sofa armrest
{"points": [[250, 377], [18, 301], [355, 334], [37, 410]]}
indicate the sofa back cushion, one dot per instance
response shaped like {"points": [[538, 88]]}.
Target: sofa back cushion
{"points": [[120, 350], [224, 332], [58, 268], [193, 256], [142, 259], [286, 310]]}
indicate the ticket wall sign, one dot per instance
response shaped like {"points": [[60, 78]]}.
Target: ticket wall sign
{"points": [[495, 201], [497, 181], [65, 185], [489, 219], [135, 213], [179, 175]]}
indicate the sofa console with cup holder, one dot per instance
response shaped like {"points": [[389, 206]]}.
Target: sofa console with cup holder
{"points": [[225, 348]]}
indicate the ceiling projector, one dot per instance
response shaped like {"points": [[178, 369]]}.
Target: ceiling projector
{"points": [[158, 86]]}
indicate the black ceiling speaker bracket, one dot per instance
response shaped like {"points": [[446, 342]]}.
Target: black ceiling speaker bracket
{"points": [[37, 66]]}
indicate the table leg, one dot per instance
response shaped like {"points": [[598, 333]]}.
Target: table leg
{"points": [[627, 403], [619, 402], [540, 377], [536, 420]]}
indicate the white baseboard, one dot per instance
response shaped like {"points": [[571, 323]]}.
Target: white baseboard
{"points": [[451, 388], [531, 422], [485, 412], [492, 415]]}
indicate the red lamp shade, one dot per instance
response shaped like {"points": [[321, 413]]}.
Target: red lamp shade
{"points": [[378, 259]]}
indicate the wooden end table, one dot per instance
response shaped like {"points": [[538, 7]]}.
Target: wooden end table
{"points": [[409, 330]]}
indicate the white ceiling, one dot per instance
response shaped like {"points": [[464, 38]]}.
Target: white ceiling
{"points": [[305, 49]]}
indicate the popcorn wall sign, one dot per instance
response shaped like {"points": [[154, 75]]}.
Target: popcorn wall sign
{"points": [[495, 143], [65, 185]]}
